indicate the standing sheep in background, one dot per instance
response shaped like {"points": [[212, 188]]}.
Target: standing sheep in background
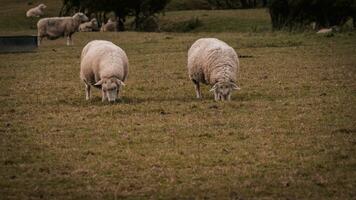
{"points": [[55, 27], [92, 25], [36, 11], [110, 26], [212, 61], [103, 65]]}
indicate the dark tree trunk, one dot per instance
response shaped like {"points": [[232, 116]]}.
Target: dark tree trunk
{"points": [[264, 3], [244, 3], [137, 18], [120, 19]]}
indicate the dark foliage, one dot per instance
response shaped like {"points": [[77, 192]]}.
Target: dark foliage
{"points": [[294, 14], [140, 9], [214, 4]]}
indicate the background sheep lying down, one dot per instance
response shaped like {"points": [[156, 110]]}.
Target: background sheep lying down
{"points": [[37, 11], [55, 27], [92, 25], [103, 65], [212, 61], [110, 26]]}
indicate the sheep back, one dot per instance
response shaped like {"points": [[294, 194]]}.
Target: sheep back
{"points": [[103, 59], [55, 27], [211, 60]]}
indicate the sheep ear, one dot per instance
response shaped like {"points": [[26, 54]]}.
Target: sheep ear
{"points": [[119, 82], [213, 88], [99, 83], [235, 87]]}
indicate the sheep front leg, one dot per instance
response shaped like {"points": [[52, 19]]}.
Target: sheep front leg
{"points": [[197, 89], [118, 95], [229, 97], [216, 96], [103, 96], [39, 40], [87, 92]]}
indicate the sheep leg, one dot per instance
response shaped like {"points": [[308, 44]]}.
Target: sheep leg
{"points": [[216, 96], [229, 97], [87, 92], [68, 40], [118, 94], [197, 89], [103, 96], [39, 40]]}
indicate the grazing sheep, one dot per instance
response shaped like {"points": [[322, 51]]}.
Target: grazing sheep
{"points": [[92, 25], [36, 11], [55, 27], [103, 65], [212, 61], [110, 26]]}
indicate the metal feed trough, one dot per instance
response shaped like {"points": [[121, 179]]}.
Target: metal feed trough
{"points": [[25, 43]]}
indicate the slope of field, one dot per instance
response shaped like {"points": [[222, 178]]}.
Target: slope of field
{"points": [[255, 20], [288, 134], [13, 15]]}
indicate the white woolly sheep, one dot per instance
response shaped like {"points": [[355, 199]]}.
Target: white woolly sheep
{"points": [[329, 30], [325, 30], [36, 11], [92, 25], [103, 65], [55, 27], [110, 26], [212, 61]]}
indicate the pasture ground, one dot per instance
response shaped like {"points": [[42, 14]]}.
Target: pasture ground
{"points": [[288, 134]]}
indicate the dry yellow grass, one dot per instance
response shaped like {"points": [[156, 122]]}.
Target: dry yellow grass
{"points": [[288, 134]]}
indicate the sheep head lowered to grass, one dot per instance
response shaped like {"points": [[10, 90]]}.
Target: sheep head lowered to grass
{"points": [[104, 65], [212, 61]]}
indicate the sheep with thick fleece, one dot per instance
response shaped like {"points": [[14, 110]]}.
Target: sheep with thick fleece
{"points": [[55, 27], [103, 65], [92, 25], [110, 26], [212, 61], [37, 11]]}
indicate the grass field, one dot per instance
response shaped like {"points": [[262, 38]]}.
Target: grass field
{"points": [[288, 134]]}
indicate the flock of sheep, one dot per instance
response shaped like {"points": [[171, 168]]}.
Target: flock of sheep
{"points": [[55, 27], [105, 65]]}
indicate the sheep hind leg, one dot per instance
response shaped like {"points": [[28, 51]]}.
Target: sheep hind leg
{"points": [[68, 40], [197, 89], [87, 92]]}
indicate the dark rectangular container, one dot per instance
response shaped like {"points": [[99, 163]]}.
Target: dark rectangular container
{"points": [[24, 43]]}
